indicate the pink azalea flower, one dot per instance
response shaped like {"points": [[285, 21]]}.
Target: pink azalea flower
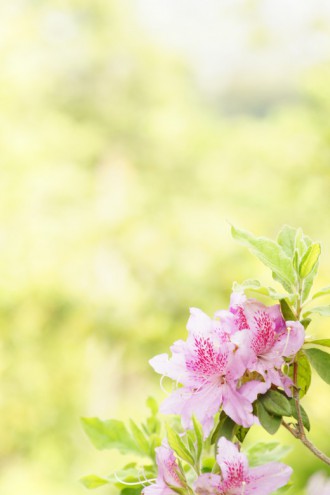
{"points": [[237, 478], [318, 484], [168, 473], [209, 370], [264, 338]]}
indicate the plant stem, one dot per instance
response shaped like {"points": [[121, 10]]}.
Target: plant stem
{"points": [[299, 432], [307, 443]]}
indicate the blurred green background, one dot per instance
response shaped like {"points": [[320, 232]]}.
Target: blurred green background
{"points": [[131, 133]]}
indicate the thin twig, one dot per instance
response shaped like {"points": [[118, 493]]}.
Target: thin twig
{"points": [[296, 397], [318, 453], [299, 431]]}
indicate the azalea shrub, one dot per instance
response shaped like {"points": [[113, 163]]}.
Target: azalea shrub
{"points": [[250, 364]]}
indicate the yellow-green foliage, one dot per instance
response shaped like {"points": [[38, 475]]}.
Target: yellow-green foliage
{"points": [[117, 179]]}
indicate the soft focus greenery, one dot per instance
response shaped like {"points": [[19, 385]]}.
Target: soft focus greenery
{"points": [[118, 181]]}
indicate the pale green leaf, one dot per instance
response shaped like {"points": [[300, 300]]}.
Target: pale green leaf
{"points": [[152, 405], [109, 434], [269, 253], [320, 361], [263, 452], [178, 446], [199, 436], [321, 310], [309, 260], [300, 243], [322, 292], [308, 283], [255, 286], [93, 481], [304, 373], [324, 342], [286, 239], [140, 438]]}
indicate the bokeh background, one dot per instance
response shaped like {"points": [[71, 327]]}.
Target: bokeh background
{"points": [[131, 134]]}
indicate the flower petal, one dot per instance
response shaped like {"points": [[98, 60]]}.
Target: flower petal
{"points": [[291, 340], [202, 403], [265, 479], [207, 484], [234, 465], [238, 407]]}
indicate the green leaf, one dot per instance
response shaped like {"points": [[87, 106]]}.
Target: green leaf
{"points": [[321, 310], [296, 260], [241, 433], [225, 428], [199, 436], [303, 414], [109, 434], [322, 292], [178, 446], [320, 361], [152, 405], [155, 441], [304, 374], [139, 438], [270, 422], [308, 283], [286, 239], [300, 243], [178, 490], [269, 253], [131, 473], [324, 342], [276, 403], [286, 310], [255, 286], [131, 491], [309, 260], [262, 452], [93, 481], [305, 322], [207, 464]]}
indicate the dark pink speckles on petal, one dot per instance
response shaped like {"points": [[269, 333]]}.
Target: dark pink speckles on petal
{"points": [[264, 331], [207, 360], [240, 318]]}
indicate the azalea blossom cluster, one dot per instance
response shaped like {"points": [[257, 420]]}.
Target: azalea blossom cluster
{"points": [[228, 360], [236, 477]]}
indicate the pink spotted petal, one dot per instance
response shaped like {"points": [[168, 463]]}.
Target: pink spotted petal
{"points": [[199, 323], [260, 316], [264, 480], [291, 340], [234, 465], [207, 484], [174, 367], [168, 470], [251, 389], [238, 407], [203, 403], [276, 377], [157, 489], [243, 342], [227, 322]]}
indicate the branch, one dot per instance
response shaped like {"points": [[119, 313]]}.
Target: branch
{"points": [[299, 432], [295, 389], [318, 453]]}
